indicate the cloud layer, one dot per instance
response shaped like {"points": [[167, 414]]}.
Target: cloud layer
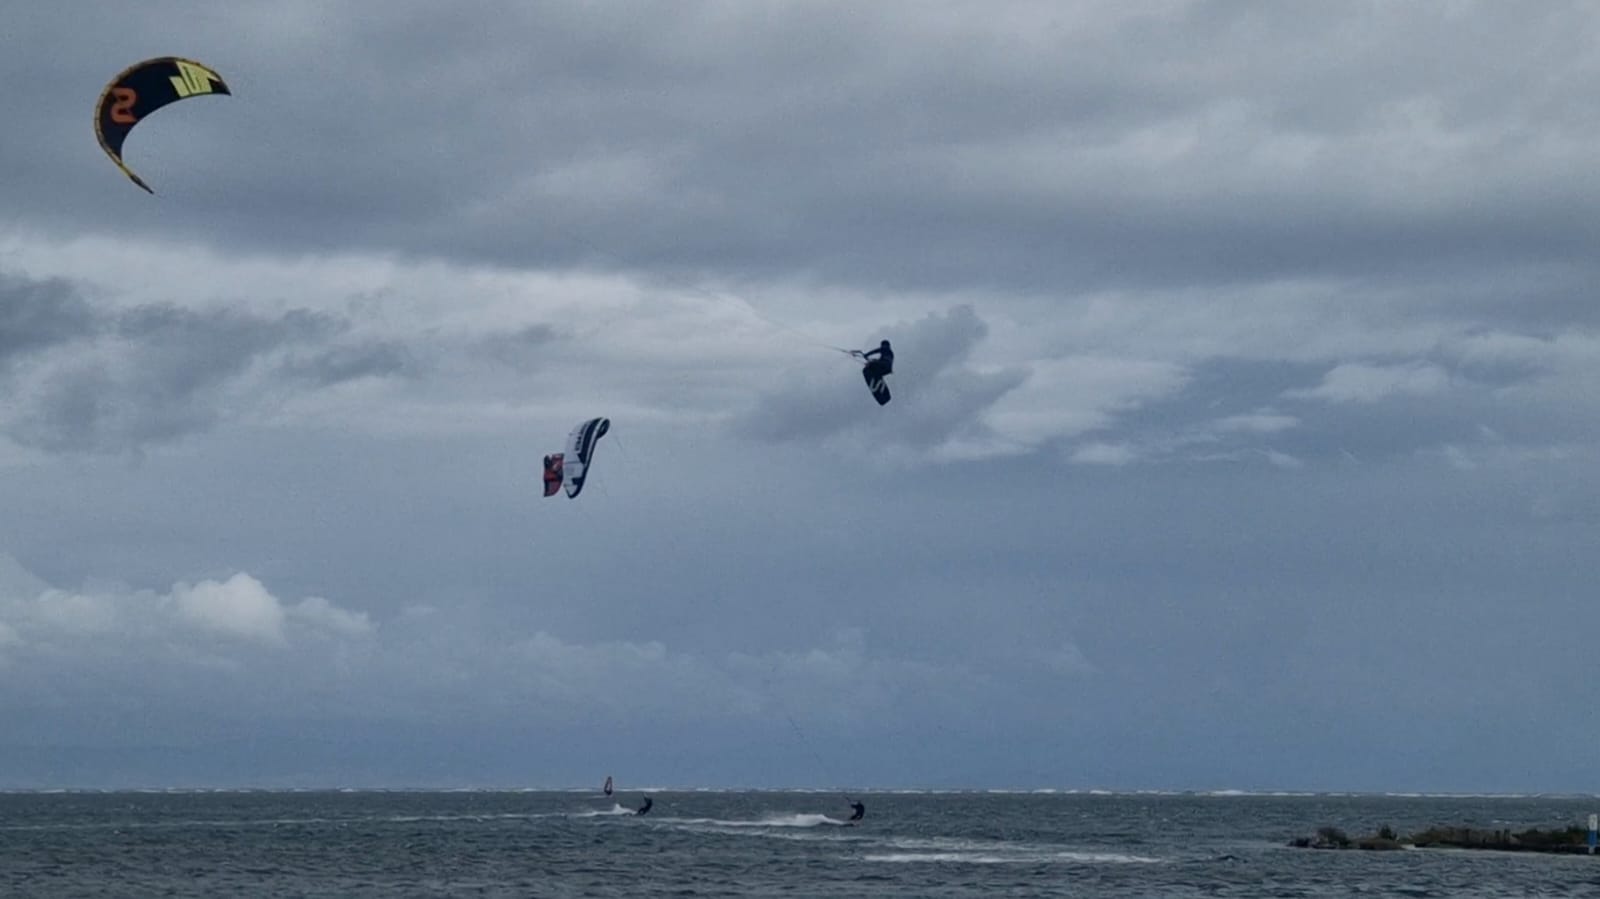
{"points": [[1243, 405]]}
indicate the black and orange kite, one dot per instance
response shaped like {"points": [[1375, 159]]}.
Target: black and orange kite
{"points": [[143, 89]]}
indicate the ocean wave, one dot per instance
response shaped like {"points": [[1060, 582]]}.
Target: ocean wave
{"points": [[1013, 857]]}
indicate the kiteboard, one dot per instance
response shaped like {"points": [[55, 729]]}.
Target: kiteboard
{"points": [[880, 390]]}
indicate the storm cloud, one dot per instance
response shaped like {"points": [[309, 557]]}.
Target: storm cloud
{"points": [[1243, 404], [106, 380]]}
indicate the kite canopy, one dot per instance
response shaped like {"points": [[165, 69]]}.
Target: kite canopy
{"points": [[580, 452], [571, 468], [143, 89]]}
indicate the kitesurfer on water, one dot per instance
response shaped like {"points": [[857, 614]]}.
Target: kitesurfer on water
{"points": [[883, 365], [860, 810], [644, 809]]}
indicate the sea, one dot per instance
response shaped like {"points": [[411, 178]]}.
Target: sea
{"points": [[496, 843]]}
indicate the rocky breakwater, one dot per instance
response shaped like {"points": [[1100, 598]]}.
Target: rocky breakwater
{"points": [[1569, 840]]}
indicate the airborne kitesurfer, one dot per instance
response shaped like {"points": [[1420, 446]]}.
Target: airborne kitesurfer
{"points": [[883, 365]]}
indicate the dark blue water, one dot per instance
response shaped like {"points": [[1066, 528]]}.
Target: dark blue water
{"points": [[758, 844]]}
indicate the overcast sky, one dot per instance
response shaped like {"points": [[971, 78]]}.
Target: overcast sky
{"points": [[1244, 432]]}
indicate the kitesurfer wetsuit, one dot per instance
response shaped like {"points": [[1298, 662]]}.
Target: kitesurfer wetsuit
{"points": [[860, 811], [645, 809], [883, 365]]}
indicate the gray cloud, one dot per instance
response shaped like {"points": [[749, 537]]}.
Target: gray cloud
{"points": [[38, 314], [896, 146], [1358, 383], [519, 349], [338, 364], [239, 654], [102, 379]]}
